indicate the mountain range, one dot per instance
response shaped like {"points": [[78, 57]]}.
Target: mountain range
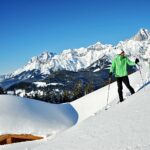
{"points": [[76, 59], [94, 59]]}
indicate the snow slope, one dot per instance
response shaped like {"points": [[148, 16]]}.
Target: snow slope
{"points": [[90, 104], [26, 116], [122, 127]]}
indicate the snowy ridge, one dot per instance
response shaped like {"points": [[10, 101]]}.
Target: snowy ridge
{"points": [[71, 59], [138, 46], [142, 35]]}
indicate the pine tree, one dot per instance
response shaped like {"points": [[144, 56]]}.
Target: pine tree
{"points": [[89, 88], [78, 90], [65, 96]]}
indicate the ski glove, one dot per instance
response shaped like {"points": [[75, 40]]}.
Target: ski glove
{"points": [[136, 60]]}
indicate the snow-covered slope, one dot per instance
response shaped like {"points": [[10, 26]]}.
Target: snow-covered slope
{"points": [[27, 116], [124, 126]]}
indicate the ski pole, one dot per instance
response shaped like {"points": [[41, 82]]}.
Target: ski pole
{"points": [[108, 92]]}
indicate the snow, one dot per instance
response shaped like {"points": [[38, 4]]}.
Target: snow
{"points": [[96, 70], [143, 34], [20, 92], [55, 84], [40, 84], [123, 127], [44, 84], [98, 99], [84, 122], [22, 115]]}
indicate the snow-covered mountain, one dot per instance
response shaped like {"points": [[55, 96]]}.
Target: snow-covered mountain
{"points": [[82, 58], [142, 35], [71, 59], [138, 45]]}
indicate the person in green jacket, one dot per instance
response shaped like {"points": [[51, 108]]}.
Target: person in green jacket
{"points": [[119, 69]]}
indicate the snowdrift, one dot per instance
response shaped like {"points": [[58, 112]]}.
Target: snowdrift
{"points": [[26, 116]]}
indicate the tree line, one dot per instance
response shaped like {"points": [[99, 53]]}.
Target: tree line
{"points": [[61, 96], [64, 96]]}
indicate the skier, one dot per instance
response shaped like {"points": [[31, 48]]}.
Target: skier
{"points": [[119, 68]]}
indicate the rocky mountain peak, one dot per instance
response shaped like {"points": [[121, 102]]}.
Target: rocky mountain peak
{"points": [[143, 34]]}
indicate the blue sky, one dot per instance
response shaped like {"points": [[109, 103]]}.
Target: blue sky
{"points": [[29, 27]]}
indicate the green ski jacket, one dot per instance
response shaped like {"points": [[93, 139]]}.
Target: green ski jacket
{"points": [[119, 66]]}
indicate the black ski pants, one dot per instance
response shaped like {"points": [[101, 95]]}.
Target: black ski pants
{"points": [[125, 80]]}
